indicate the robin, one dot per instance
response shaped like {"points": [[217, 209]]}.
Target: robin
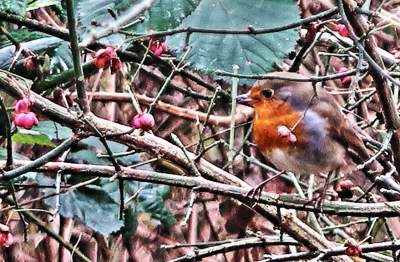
{"points": [[300, 128]]}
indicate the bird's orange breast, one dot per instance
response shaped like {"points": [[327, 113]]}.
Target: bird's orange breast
{"points": [[268, 117]]}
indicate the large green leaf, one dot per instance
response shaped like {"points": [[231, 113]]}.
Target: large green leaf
{"points": [[97, 206], [17, 7], [42, 134], [166, 14], [32, 138], [91, 204], [94, 15], [61, 58], [21, 35], [253, 53], [151, 198]]}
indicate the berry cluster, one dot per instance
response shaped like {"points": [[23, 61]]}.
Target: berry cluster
{"points": [[23, 116]]}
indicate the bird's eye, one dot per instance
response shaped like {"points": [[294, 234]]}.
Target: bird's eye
{"points": [[268, 93]]}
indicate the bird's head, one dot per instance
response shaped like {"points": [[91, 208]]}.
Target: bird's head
{"points": [[278, 90], [257, 95]]}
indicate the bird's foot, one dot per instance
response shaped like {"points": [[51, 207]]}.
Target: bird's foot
{"points": [[255, 192], [318, 203]]}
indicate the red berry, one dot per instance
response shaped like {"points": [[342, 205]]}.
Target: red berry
{"points": [[144, 121], [104, 56], [344, 188], [157, 47], [116, 65], [353, 251]]}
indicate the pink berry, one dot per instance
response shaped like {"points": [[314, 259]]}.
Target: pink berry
{"points": [[285, 133], [26, 120], [292, 138], [22, 105], [31, 62], [311, 32], [346, 79], [6, 239], [144, 121], [342, 30]]}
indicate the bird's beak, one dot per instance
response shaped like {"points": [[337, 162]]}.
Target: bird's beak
{"points": [[244, 99]]}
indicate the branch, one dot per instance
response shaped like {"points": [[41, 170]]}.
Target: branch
{"points": [[35, 25], [288, 201], [325, 254], [114, 27], [241, 116], [8, 175], [76, 57], [232, 246]]}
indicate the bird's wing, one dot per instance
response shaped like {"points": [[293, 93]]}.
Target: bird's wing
{"points": [[339, 126]]}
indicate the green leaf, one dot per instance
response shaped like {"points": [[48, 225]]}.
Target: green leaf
{"points": [[91, 204], [53, 130], [17, 7], [152, 200], [94, 15], [93, 147], [32, 138], [61, 58], [21, 36], [86, 156], [130, 223], [36, 4], [253, 53], [166, 14]]}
